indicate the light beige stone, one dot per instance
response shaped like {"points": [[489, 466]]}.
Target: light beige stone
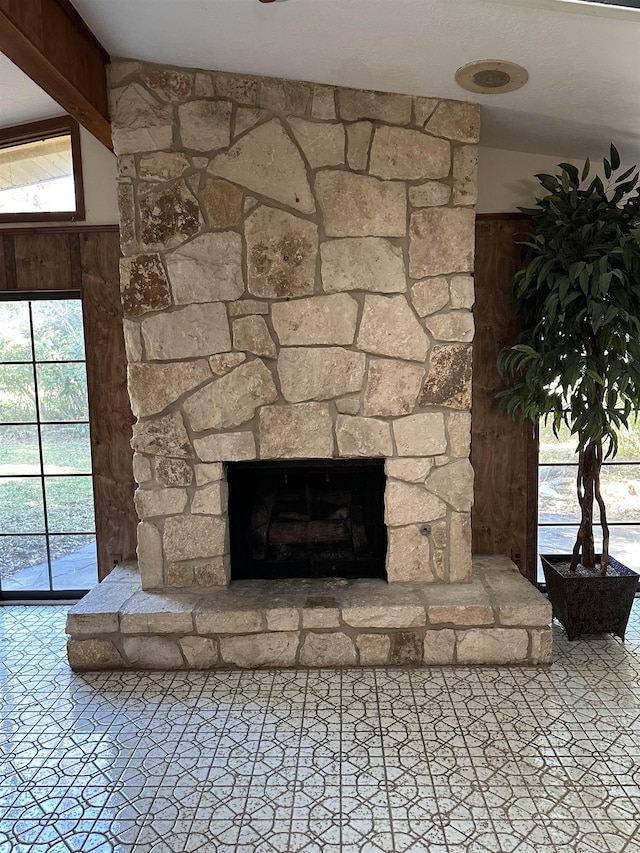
{"points": [[272, 95], [190, 332], [228, 621], [348, 405], [152, 502], [366, 437], [439, 647], [199, 652], [541, 646], [449, 378], [389, 327], [139, 122], [408, 555], [373, 649], [451, 326], [246, 118], [244, 90], [225, 361], [120, 69], [492, 646], [169, 83], [456, 120], [233, 399], [453, 483], [174, 472], [281, 254], [205, 125], [459, 604], [322, 143], [143, 285], [465, 175], [441, 241], [261, 650], [358, 142], [317, 320], [142, 470], [180, 575], [127, 216], [362, 263], [462, 291], [192, 537], [460, 565], [323, 104], [152, 653], [214, 572], [243, 307], [430, 295], [320, 617], [405, 154], [267, 162], [392, 387], [203, 87], [153, 387], [331, 649], [222, 203], [210, 499], [429, 194], [132, 340], [207, 269], [384, 615], [162, 166], [296, 97], [209, 472], [93, 654], [97, 612], [408, 504], [226, 447], [410, 470], [406, 648], [156, 613], [165, 436], [459, 431], [422, 109], [168, 216], [354, 104], [252, 335], [150, 556], [282, 619], [319, 373], [360, 206], [420, 435], [303, 431]]}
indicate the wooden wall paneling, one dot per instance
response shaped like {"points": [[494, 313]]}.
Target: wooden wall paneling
{"points": [[3, 271], [8, 282], [109, 408], [43, 262], [502, 453]]}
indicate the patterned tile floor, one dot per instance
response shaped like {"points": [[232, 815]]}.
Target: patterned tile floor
{"points": [[360, 761]]}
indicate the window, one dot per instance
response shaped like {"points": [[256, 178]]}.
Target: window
{"points": [[558, 510], [41, 172], [47, 523]]}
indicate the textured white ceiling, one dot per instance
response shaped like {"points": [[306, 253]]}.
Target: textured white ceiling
{"points": [[20, 99], [582, 58]]}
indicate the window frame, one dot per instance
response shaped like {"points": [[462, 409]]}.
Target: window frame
{"points": [[36, 131]]}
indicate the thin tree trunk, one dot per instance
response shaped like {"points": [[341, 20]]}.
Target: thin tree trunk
{"points": [[604, 560], [577, 548], [584, 549]]}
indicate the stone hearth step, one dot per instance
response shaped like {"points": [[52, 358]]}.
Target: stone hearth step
{"points": [[497, 618]]}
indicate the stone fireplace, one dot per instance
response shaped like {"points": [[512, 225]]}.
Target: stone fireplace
{"points": [[297, 288]]}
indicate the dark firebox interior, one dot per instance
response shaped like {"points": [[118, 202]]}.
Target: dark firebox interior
{"points": [[307, 519]]}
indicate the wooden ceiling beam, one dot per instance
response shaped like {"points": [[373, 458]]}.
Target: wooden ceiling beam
{"points": [[51, 43]]}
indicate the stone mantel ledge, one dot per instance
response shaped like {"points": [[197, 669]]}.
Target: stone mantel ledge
{"points": [[497, 618]]}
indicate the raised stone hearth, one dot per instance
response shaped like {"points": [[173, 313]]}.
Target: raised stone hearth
{"points": [[497, 618]]}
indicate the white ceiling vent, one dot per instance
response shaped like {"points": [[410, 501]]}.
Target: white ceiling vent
{"points": [[491, 76]]}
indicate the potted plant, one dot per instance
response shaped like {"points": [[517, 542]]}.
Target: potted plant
{"points": [[576, 360]]}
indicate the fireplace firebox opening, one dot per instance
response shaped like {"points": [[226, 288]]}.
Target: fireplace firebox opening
{"points": [[307, 519]]}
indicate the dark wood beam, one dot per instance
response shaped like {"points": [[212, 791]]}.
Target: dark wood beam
{"points": [[51, 43]]}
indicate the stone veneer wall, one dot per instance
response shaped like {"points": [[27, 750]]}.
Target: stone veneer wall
{"points": [[296, 284]]}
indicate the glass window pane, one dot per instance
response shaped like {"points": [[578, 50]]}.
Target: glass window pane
{"points": [[37, 176], [21, 509], [58, 330], [70, 504], [629, 443], [557, 499], [620, 487], [62, 392], [23, 563], [624, 543], [73, 562], [15, 338], [17, 398], [561, 449], [19, 450], [66, 449]]}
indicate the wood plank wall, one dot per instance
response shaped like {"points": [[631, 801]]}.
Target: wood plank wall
{"points": [[86, 260], [504, 457]]}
